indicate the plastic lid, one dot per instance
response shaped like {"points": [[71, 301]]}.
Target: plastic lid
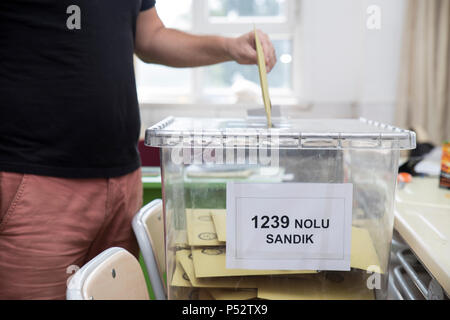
{"points": [[286, 133]]}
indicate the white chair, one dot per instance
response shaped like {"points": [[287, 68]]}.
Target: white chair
{"points": [[148, 227], [115, 274]]}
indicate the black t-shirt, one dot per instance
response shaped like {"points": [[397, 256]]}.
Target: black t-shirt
{"points": [[68, 102]]}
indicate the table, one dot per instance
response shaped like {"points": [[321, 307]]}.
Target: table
{"points": [[422, 218]]}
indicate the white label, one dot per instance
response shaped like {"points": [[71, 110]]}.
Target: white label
{"points": [[289, 226]]}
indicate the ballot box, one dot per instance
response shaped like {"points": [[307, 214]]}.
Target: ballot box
{"points": [[301, 210]]}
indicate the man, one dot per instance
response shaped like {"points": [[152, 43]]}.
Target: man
{"points": [[70, 181]]}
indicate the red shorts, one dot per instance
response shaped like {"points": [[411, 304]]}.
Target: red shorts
{"points": [[50, 227]]}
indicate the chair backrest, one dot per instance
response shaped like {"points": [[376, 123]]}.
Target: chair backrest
{"points": [[115, 274], [148, 226]]}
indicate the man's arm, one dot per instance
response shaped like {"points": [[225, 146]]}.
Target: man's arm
{"points": [[157, 44]]}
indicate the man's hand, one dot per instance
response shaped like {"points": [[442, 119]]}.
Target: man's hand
{"points": [[243, 49], [155, 43]]}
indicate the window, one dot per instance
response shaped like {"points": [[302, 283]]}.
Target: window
{"points": [[234, 8], [219, 83]]}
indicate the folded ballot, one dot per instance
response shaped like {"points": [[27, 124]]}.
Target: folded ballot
{"points": [[180, 277], [263, 79], [200, 228], [186, 260], [220, 221]]}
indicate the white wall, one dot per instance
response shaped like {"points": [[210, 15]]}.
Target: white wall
{"points": [[343, 61]]}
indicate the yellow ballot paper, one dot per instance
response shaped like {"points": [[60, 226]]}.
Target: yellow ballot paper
{"points": [[263, 79], [200, 228], [180, 278], [220, 223], [323, 286], [210, 262], [185, 258], [363, 255]]}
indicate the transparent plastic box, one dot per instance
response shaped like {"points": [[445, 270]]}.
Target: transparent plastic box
{"points": [[201, 158]]}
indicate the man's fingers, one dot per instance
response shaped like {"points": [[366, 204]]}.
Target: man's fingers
{"points": [[249, 55], [269, 51], [273, 60]]}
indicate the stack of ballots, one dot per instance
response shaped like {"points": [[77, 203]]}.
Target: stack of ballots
{"points": [[200, 268]]}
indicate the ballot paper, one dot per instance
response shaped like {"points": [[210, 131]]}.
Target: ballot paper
{"points": [[322, 286], [363, 254], [180, 278], [220, 221], [210, 262], [263, 79], [185, 259], [200, 228]]}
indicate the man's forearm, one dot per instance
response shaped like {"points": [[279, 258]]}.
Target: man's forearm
{"points": [[180, 49], [157, 44]]}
